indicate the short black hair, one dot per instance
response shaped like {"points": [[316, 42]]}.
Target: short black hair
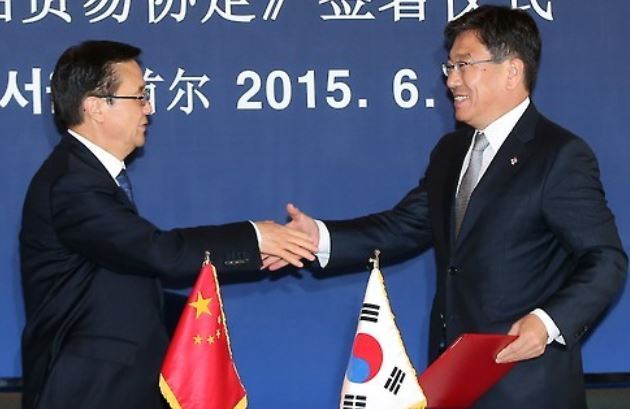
{"points": [[83, 70], [505, 32]]}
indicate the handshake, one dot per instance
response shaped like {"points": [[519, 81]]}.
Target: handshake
{"points": [[288, 244]]}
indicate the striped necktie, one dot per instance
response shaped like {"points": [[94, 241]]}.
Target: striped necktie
{"points": [[125, 184], [469, 181]]}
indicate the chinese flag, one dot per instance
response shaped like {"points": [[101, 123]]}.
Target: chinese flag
{"points": [[198, 371]]}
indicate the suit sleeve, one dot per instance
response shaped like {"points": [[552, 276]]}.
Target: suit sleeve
{"points": [[91, 220], [400, 232], [575, 208]]}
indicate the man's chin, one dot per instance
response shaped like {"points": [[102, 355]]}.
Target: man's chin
{"points": [[460, 115]]}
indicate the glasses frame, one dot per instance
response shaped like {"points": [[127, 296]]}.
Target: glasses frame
{"points": [[143, 99], [460, 66]]}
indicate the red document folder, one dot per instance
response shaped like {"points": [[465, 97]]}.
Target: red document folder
{"points": [[465, 371]]}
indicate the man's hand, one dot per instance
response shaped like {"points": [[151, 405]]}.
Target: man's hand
{"points": [[531, 341], [285, 244], [303, 222], [299, 221]]}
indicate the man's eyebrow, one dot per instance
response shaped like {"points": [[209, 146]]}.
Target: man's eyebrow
{"points": [[460, 57]]}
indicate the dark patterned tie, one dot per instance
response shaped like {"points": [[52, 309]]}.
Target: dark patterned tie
{"points": [[469, 180], [125, 184]]}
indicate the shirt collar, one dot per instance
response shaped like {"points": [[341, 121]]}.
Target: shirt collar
{"points": [[498, 131], [111, 163]]}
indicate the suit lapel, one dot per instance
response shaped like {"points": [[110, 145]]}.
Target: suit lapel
{"points": [[446, 177], [512, 155], [84, 154]]}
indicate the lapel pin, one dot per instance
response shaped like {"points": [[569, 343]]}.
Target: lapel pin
{"points": [[514, 160]]}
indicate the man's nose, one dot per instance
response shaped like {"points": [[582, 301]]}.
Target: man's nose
{"points": [[454, 79], [147, 109]]}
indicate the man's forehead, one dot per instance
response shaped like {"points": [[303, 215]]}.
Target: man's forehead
{"points": [[130, 66], [467, 45], [129, 74]]}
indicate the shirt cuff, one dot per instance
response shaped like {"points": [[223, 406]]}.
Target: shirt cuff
{"points": [[552, 329], [323, 250], [258, 237]]}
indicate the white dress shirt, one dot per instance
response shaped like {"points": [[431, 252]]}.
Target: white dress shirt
{"points": [[112, 164]]}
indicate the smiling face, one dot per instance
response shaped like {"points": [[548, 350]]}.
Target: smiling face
{"points": [[481, 92], [125, 120]]}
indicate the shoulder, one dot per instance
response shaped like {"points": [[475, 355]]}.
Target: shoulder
{"points": [[552, 136], [69, 165]]}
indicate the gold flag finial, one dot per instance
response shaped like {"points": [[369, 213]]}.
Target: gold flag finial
{"points": [[206, 258], [375, 260]]}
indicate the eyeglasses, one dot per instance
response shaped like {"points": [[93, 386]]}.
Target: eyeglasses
{"points": [[460, 66], [143, 99]]}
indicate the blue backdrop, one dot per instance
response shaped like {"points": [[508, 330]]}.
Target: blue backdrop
{"points": [[332, 104]]}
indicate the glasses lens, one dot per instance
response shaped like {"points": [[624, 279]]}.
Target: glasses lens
{"points": [[446, 69]]}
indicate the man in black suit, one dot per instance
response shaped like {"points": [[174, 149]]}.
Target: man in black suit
{"points": [[91, 266], [513, 206]]}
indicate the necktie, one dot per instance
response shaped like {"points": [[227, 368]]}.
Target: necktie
{"points": [[125, 184], [469, 180]]}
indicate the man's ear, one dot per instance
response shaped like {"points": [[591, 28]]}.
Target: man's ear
{"points": [[93, 108], [516, 72]]}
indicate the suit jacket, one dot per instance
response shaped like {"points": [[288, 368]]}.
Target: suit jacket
{"points": [[91, 269], [537, 234]]}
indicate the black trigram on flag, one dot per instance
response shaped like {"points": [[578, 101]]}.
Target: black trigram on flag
{"points": [[354, 401], [369, 312], [396, 379]]}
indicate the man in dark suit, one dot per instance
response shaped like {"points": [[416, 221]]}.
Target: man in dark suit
{"points": [[513, 206], [91, 266]]}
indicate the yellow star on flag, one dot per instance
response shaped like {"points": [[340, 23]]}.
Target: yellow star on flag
{"points": [[201, 305]]}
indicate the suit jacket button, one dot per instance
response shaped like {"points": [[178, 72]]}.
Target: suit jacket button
{"points": [[454, 270]]}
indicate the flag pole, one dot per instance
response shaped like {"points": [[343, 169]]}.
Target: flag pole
{"points": [[375, 260]]}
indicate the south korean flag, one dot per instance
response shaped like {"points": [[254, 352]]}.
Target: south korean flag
{"points": [[379, 373]]}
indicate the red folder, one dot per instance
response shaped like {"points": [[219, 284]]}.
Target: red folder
{"points": [[465, 371]]}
